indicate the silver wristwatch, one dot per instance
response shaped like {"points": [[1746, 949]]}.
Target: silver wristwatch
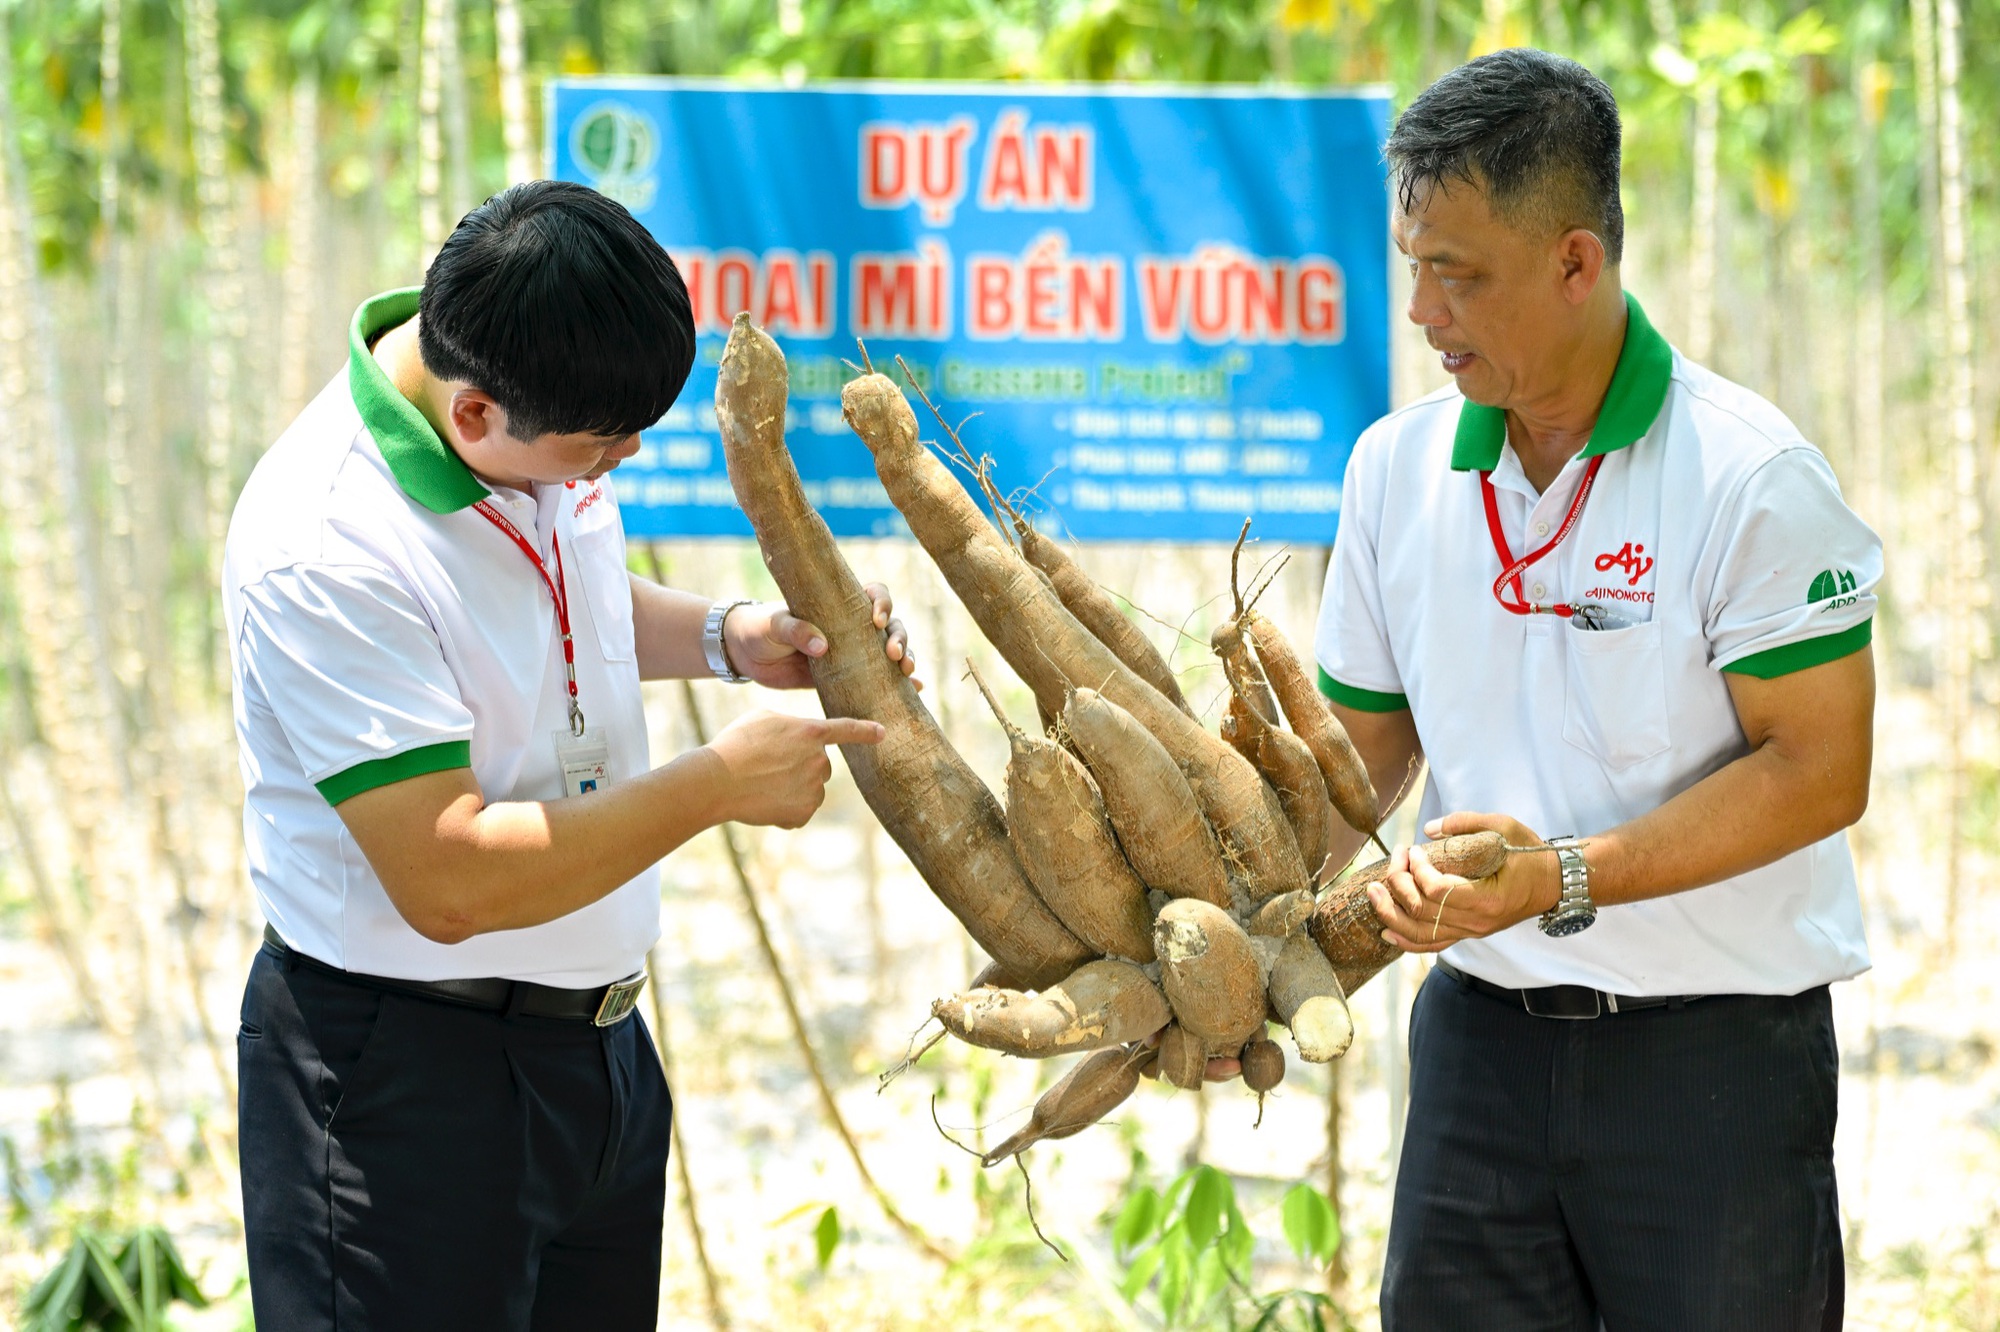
{"points": [[1573, 912], [711, 642]]}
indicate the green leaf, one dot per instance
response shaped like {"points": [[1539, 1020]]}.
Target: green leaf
{"points": [[184, 1287], [1141, 1272], [110, 1286], [826, 1236], [1137, 1219], [1310, 1226], [1208, 1281], [1207, 1200], [1236, 1245], [139, 1262], [1178, 1258], [55, 1304]]}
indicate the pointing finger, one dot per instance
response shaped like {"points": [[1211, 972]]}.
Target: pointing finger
{"points": [[852, 731]]}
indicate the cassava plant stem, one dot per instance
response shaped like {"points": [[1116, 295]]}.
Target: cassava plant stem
{"points": [[740, 872]]}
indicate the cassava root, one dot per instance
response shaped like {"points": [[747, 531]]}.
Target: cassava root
{"points": [[921, 790], [1064, 840], [1344, 923], [1100, 1004], [1049, 648], [1087, 1093]]}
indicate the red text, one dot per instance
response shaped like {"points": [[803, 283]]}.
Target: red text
{"points": [[920, 163], [1046, 294], [905, 295], [1041, 169], [783, 291], [1222, 294]]}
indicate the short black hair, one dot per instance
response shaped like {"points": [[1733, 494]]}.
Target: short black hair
{"points": [[1539, 133], [554, 300]]}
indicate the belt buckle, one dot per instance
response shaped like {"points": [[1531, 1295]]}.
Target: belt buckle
{"points": [[1596, 1006], [619, 1001]]}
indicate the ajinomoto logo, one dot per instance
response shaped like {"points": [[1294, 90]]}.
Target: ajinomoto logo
{"points": [[616, 148], [1833, 586]]}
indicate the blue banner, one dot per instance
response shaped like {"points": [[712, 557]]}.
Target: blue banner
{"points": [[1168, 309]]}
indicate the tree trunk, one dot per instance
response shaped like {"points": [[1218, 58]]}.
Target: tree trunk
{"points": [[510, 58], [1923, 54], [430, 132], [222, 275], [1701, 224], [127, 646], [1965, 645], [110, 80], [457, 132], [297, 377], [1870, 336]]}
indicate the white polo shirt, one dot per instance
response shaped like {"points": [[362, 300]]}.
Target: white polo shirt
{"points": [[1719, 536], [380, 628]]}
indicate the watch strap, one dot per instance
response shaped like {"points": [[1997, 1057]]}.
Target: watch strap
{"points": [[1575, 875], [712, 646]]}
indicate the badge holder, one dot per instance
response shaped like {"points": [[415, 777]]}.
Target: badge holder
{"points": [[585, 760]]}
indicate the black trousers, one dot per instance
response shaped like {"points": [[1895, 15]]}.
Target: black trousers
{"points": [[1669, 1170], [413, 1164]]}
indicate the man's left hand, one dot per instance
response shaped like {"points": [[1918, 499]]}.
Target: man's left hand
{"points": [[774, 647], [1426, 911]]}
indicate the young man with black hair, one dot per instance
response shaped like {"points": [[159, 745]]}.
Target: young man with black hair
{"points": [[1603, 592], [450, 1115]]}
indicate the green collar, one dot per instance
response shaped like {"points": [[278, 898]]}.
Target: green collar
{"points": [[428, 471], [1631, 405]]}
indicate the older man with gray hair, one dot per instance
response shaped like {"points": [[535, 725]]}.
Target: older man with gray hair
{"points": [[1606, 594]]}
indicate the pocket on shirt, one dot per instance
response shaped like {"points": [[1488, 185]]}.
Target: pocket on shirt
{"points": [[600, 556], [1615, 706]]}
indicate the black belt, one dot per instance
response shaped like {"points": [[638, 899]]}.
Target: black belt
{"points": [[1566, 1001], [600, 1005]]}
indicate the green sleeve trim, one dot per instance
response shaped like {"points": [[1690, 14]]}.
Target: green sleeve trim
{"points": [[351, 782], [1361, 700], [1777, 661]]}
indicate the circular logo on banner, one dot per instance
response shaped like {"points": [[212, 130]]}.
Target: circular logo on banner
{"points": [[616, 148]]}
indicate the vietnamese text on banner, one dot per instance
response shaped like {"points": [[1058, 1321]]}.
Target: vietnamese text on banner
{"points": [[1168, 310]]}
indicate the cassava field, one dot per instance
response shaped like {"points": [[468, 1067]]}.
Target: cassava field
{"points": [[193, 198]]}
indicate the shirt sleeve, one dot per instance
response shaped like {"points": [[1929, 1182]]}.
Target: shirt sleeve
{"points": [[1351, 641], [1797, 572], [350, 666]]}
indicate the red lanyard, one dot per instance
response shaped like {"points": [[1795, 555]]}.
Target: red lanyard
{"points": [[1511, 569], [558, 592]]}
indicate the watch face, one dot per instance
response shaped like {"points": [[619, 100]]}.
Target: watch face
{"points": [[1569, 922]]}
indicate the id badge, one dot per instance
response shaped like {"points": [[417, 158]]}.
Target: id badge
{"points": [[585, 761]]}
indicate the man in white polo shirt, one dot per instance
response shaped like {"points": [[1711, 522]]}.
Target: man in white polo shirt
{"points": [[450, 1116], [1617, 603]]}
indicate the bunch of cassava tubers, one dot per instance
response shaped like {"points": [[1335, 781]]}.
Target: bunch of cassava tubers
{"points": [[1152, 893]]}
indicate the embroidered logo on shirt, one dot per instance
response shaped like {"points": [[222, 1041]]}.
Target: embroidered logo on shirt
{"points": [[1632, 559], [596, 494], [1833, 586]]}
